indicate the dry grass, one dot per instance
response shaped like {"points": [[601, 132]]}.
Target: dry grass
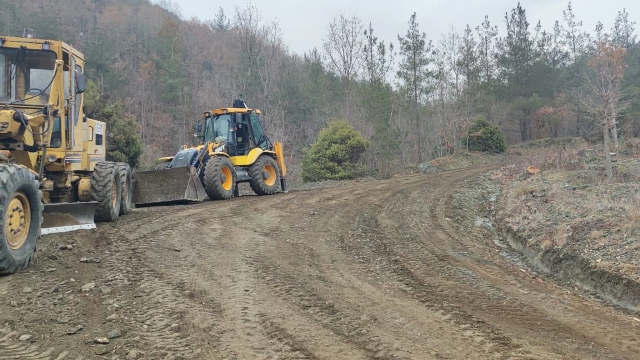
{"points": [[524, 191], [569, 204]]}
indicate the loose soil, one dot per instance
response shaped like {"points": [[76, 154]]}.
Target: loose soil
{"points": [[413, 267]]}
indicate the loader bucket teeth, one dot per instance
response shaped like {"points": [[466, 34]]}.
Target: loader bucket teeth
{"points": [[177, 185], [64, 217]]}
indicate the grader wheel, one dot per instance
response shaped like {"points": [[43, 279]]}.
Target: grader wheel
{"points": [[106, 190], [126, 186], [21, 209]]}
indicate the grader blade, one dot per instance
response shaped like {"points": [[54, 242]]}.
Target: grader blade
{"points": [[65, 217], [158, 187]]}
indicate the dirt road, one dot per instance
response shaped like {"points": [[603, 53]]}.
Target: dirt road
{"points": [[405, 268]]}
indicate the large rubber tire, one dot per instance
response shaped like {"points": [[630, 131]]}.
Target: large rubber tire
{"points": [[219, 178], [265, 176], [126, 188], [105, 189], [21, 208]]}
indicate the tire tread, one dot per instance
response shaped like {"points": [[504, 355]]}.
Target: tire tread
{"points": [[101, 183], [15, 177], [126, 202], [213, 180], [255, 173]]}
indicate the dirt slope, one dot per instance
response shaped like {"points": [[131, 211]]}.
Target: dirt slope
{"points": [[404, 268]]}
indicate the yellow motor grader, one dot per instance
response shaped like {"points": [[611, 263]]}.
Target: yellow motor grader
{"points": [[234, 148], [53, 173]]}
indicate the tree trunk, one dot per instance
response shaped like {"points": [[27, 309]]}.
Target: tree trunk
{"points": [[419, 144], [607, 151], [614, 128]]}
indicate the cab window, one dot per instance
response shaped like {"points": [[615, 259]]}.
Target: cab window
{"points": [[258, 131], [56, 134]]}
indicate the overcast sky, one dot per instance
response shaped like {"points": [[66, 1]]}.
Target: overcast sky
{"points": [[304, 23]]}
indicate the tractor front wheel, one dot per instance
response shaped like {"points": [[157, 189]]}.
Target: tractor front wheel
{"points": [[219, 181], [264, 175], [21, 208]]}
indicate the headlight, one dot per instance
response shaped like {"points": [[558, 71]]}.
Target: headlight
{"points": [[52, 158]]}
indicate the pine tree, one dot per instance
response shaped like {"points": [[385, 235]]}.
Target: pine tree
{"points": [[415, 76]]}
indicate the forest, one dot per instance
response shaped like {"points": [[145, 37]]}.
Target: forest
{"points": [[154, 73]]}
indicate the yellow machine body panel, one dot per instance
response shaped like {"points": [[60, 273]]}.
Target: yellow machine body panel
{"points": [[250, 158], [231, 110], [74, 141], [52, 157], [277, 146], [42, 119]]}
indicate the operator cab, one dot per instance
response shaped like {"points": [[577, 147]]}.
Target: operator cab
{"points": [[26, 76], [238, 129]]}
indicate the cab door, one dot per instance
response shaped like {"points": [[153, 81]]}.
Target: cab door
{"points": [[73, 98]]}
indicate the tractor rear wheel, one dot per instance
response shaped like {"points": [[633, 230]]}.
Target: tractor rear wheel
{"points": [[264, 175], [219, 180], [126, 186], [106, 190], [21, 208]]}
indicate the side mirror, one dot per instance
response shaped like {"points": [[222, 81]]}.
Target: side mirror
{"points": [[199, 127], [80, 83]]}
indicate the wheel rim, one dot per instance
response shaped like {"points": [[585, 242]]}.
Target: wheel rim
{"points": [[227, 178], [269, 174], [114, 193], [18, 220]]}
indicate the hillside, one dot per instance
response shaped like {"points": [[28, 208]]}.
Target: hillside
{"points": [[572, 220], [164, 71], [564, 218]]}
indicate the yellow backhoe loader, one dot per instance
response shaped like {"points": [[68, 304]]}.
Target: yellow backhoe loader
{"points": [[234, 148], [53, 173]]}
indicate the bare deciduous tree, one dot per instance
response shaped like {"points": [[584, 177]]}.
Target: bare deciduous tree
{"points": [[171, 6], [450, 48], [602, 98], [343, 49], [247, 25]]}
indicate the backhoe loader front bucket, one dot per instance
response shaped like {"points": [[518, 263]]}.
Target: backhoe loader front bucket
{"points": [[177, 185], [64, 217]]}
